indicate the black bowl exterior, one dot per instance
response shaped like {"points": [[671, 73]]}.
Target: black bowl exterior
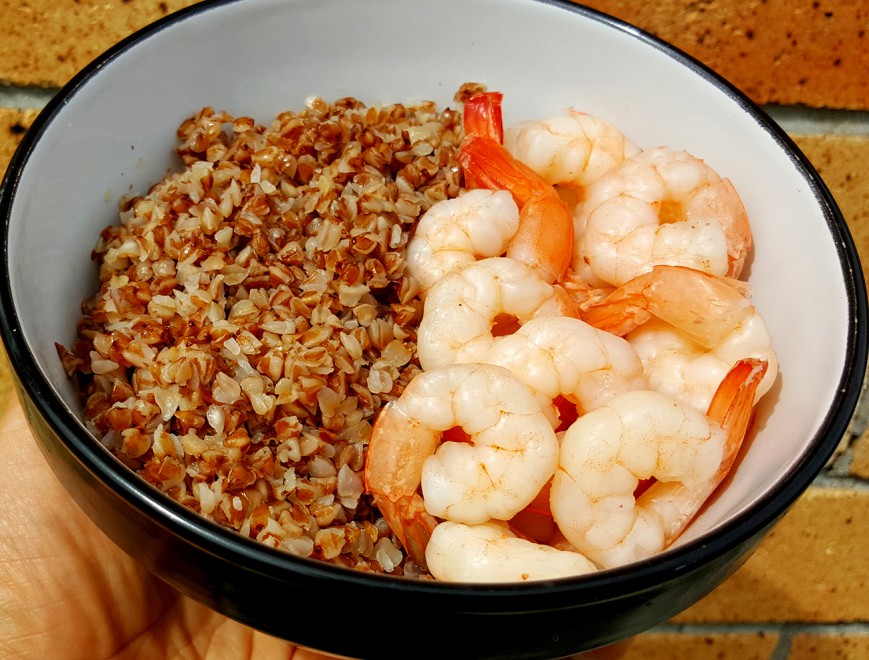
{"points": [[307, 606]]}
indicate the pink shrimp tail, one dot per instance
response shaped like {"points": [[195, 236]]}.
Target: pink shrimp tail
{"points": [[544, 239], [392, 477], [703, 306], [732, 407], [483, 116], [410, 522], [623, 310], [494, 168]]}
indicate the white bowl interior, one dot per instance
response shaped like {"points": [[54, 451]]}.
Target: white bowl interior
{"points": [[114, 136]]}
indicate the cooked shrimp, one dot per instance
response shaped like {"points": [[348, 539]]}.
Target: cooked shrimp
{"points": [[544, 239], [559, 356], [660, 207], [490, 552], [644, 435], [482, 116], [688, 328], [574, 149], [510, 454], [462, 307], [456, 232]]}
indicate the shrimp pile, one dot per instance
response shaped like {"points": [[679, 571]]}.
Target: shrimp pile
{"points": [[590, 358]]}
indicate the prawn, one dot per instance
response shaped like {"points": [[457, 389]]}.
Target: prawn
{"points": [[660, 207], [511, 452], [491, 552], [486, 221], [642, 435], [688, 328], [456, 232], [461, 309], [482, 116], [572, 150], [544, 238], [559, 356]]}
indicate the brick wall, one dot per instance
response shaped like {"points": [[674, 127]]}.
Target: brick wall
{"points": [[805, 593]]}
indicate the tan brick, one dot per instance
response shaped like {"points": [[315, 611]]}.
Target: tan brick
{"points": [[45, 42], [843, 163], [860, 457], [690, 646], [812, 567], [798, 52], [829, 647], [13, 125]]}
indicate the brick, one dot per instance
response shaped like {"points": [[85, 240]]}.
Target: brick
{"points": [[829, 647], [689, 646], [843, 163], [68, 34], [812, 567], [801, 52], [13, 125], [860, 457], [798, 52]]}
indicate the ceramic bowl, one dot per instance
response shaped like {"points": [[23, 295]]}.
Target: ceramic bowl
{"points": [[110, 132]]}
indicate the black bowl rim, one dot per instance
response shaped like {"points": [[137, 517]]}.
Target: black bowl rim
{"points": [[599, 587]]}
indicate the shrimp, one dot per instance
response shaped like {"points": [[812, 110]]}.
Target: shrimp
{"points": [[688, 328], [510, 454], [642, 435], [574, 149], [482, 116], [562, 356], [456, 232], [544, 238], [491, 552], [462, 307], [660, 207]]}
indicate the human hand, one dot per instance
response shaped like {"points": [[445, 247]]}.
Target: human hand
{"points": [[67, 591]]}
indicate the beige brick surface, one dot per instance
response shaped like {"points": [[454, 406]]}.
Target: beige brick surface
{"points": [[830, 647], [45, 42], [860, 459], [808, 52], [13, 125], [673, 646], [812, 567], [843, 163], [804, 51]]}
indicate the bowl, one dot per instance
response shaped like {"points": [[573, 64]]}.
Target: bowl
{"points": [[110, 132]]}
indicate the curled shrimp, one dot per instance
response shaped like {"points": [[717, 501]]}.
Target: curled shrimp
{"points": [[660, 207], [509, 454], [642, 435], [462, 307], [544, 238], [573, 149], [491, 552], [688, 328], [456, 232], [559, 356]]}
